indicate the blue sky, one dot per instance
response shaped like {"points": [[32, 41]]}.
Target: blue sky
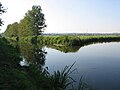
{"points": [[69, 16]]}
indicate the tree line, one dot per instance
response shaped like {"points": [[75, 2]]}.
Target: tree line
{"points": [[33, 24], [2, 10]]}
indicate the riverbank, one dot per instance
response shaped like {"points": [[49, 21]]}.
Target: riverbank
{"points": [[66, 43], [68, 40], [30, 78], [76, 40]]}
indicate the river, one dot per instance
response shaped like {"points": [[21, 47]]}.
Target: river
{"points": [[98, 63]]}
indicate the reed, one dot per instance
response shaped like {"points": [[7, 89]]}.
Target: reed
{"points": [[75, 40], [60, 80]]}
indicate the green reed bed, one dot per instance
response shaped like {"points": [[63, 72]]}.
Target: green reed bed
{"points": [[75, 40], [67, 40]]}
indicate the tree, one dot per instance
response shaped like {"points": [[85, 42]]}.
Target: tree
{"points": [[12, 30], [2, 10], [33, 22]]}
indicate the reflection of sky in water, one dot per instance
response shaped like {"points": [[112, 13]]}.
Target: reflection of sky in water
{"points": [[24, 62], [99, 63]]}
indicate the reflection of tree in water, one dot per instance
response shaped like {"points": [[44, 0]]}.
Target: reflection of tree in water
{"points": [[33, 53], [66, 49], [39, 56]]}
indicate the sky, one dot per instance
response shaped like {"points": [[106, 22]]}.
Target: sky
{"points": [[68, 16]]}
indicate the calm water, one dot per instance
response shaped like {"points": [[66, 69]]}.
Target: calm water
{"points": [[98, 63]]}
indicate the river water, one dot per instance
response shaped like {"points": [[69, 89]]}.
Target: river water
{"points": [[98, 63]]}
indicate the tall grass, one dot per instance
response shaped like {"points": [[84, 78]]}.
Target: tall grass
{"points": [[61, 80], [68, 40], [75, 40]]}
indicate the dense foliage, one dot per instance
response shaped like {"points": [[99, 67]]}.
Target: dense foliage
{"points": [[11, 75], [67, 43], [75, 40], [62, 41], [2, 10], [12, 30], [32, 24]]}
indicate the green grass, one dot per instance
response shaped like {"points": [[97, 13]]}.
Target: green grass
{"points": [[61, 79], [75, 40], [68, 40]]}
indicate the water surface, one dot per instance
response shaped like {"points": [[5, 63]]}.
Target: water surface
{"points": [[99, 63]]}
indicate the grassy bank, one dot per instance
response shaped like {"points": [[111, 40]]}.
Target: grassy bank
{"points": [[69, 40], [77, 40], [66, 43]]}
